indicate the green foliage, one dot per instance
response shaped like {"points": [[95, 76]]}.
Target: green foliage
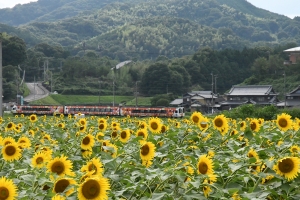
{"points": [[162, 99], [264, 112]]}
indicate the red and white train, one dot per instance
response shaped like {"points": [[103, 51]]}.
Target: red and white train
{"points": [[175, 112]]}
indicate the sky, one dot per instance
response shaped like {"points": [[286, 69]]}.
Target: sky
{"points": [[289, 8]]}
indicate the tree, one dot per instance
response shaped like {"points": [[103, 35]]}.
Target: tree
{"points": [[13, 50]]}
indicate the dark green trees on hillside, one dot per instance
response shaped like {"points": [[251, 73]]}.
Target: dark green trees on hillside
{"points": [[159, 78]]}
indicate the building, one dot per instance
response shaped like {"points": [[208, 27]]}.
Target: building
{"points": [[292, 99], [202, 101], [294, 55], [249, 94]]}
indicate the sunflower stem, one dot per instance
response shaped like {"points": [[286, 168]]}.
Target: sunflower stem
{"points": [[231, 175], [258, 181], [3, 162]]}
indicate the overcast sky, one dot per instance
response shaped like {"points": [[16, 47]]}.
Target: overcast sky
{"points": [[290, 8]]}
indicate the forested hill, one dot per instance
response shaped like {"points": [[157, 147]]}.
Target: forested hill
{"points": [[111, 28]]}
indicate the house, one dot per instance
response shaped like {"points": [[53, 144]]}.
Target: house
{"points": [[249, 94], [294, 54], [292, 99]]}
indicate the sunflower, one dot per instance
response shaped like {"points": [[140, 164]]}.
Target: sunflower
{"points": [[164, 128], [94, 166], [100, 136], [7, 140], [86, 153], [203, 124], [8, 190], [102, 126], [177, 124], [294, 149], [82, 122], [39, 159], [206, 188], [58, 197], [236, 196], [220, 122], [252, 154], [10, 126], [24, 142], [31, 132], [61, 125], [155, 125], [142, 124], [147, 151], [33, 118], [82, 129], [233, 132], [284, 122], [124, 135], [287, 167], [196, 117], [254, 125], [94, 188], [61, 184], [205, 165], [142, 133], [87, 142], [114, 134], [61, 166], [115, 125], [102, 120], [11, 152], [243, 125]]}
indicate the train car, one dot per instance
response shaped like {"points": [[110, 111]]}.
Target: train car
{"points": [[92, 110], [152, 111], [37, 109], [175, 112]]}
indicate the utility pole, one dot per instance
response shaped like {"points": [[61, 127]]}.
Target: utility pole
{"points": [[212, 91], [216, 76], [1, 90], [136, 94], [284, 94], [113, 90], [99, 90]]}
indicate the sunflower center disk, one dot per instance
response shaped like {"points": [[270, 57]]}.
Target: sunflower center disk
{"points": [[203, 168], [286, 165], [253, 126], [282, 123], [86, 140], [4, 193], [91, 189], [219, 122], [39, 160], [10, 150], [196, 119], [61, 185], [123, 134], [101, 126], [58, 168], [145, 150], [154, 126]]}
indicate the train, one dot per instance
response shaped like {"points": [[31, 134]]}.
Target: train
{"points": [[101, 110]]}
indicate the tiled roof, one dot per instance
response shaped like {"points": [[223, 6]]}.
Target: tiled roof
{"points": [[176, 102], [246, 90]]}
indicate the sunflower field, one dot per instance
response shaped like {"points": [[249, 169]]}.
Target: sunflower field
{"points": [[98, 158]]}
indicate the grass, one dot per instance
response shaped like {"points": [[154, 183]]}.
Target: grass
{"points": [[58, 99]]}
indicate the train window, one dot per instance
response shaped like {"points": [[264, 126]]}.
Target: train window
{"points": [[92, 109], [163, 111], [71, 109], [87, 109], [76, 109], [102, 110], [96, 109]]}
